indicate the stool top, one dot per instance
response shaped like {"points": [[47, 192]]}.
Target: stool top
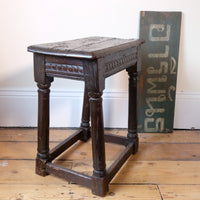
{"points": [[90, 47]]}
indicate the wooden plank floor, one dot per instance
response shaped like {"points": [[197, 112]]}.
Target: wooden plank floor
{"points": [[166, 167]]}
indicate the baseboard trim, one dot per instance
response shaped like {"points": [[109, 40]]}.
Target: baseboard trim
{"points": [[187, 110], [18, 108]]}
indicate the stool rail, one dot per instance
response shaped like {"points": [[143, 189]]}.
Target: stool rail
{"points": [[80, 178]]}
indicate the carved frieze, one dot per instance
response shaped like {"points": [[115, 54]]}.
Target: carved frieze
{"points": [[64, 69], [120, 62]]}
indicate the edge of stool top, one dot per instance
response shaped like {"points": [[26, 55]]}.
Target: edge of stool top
{"points": [[89, 47]]}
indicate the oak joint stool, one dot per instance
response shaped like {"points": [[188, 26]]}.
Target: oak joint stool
{"points": [[91, 60]]}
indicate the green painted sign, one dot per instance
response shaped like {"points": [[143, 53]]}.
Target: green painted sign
{"points": [[157, 79]]}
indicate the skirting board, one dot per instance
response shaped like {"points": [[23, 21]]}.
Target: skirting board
{"points": [[18, 108]]}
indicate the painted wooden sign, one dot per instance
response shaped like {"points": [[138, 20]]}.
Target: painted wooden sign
{"points": [[157, 80]]}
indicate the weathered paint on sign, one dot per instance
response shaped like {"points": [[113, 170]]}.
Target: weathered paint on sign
{"points": [[161, 32]]}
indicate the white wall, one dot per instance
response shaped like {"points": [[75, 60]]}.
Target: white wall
{"points": [[26, 22]]}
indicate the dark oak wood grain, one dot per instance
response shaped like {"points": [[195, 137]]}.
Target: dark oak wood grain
{"points": [[90, 60], [91, 47]]}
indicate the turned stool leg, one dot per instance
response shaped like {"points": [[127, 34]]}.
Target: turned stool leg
{"points": [[85, 121], [98, 146], [43, 128], [132, 111]]}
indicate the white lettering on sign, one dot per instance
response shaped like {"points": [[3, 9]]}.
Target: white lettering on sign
{"points": [[158, 124], [159, 29], [163, 68], [152, 81], [173, 66], [160, 55], [157, 96], [170, 90], [151, 110]]}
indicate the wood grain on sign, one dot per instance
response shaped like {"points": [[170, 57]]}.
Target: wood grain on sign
{"points": [[157, 83]]}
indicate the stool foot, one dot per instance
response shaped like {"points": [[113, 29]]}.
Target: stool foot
{"points": [[99, 186], [133, 137], [40, 167], [136, 145], [86, 134]]}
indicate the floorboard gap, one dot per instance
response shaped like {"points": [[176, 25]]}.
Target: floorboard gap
{"points": [[160, 192]]}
